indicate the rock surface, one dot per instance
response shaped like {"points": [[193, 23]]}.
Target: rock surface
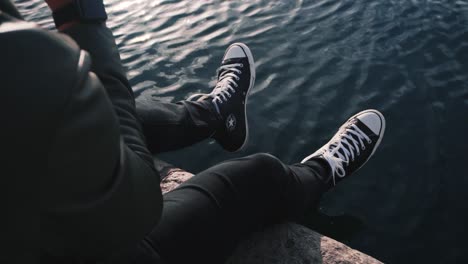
{"points": [[295, 244], [286, 243]]}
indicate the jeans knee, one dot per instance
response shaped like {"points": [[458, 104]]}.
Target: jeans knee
{"points": [[267, 162], [269, 171]]}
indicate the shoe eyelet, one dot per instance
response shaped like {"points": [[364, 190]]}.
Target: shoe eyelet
{"points": [[363, 148], [369, 141], [229, 95], [237, 78], [241, 65], [240, 72]]}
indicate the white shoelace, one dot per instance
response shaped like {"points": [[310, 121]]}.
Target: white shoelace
{"points": [[224, 88], [350, 149]]}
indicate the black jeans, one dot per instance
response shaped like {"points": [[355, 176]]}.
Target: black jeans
{"points": [[206, 217], [170, 126]]}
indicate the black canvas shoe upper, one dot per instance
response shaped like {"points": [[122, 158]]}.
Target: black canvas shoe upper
{"points": [[236, 76], [353, 144]]}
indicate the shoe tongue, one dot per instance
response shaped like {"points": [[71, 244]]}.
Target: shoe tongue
{"points": [[343, 146], [224, 71], [341, 151], [355, 138]]}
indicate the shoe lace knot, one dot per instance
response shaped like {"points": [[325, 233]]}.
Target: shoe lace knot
{"points": [[344, 148]]}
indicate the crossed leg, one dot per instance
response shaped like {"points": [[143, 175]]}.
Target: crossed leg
{"points": [[171, 126], [206, 217]]}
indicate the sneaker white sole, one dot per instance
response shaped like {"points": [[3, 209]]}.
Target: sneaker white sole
{"points": [[252, 82]]}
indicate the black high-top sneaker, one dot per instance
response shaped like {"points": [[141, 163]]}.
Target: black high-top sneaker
{"points": [[236, 77], [353, 144]]}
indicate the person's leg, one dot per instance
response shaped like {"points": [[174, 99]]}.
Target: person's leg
{"points": [[205, 217], [208, 215], [221, 114], [169, 126]]}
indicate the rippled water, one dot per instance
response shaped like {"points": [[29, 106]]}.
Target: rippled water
{"points": [[319, 62]]}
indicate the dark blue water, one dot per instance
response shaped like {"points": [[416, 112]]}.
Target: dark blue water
{"points": [[319, 62]]}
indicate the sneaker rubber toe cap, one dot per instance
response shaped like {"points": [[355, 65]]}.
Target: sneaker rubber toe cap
{"points": [[373, 120], [235, 52]]}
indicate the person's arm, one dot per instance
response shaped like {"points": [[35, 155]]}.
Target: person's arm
{"points": [[99, 42], [97, 196], [102, 193]]}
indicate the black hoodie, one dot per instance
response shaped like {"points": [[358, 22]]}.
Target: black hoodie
{"points": [[80, 182]]}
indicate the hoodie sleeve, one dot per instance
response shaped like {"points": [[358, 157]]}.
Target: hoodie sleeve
{"points": [[99, 42], [73, 135]]}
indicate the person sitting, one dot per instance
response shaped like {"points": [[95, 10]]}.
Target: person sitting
{"points": [[100, 199]]}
